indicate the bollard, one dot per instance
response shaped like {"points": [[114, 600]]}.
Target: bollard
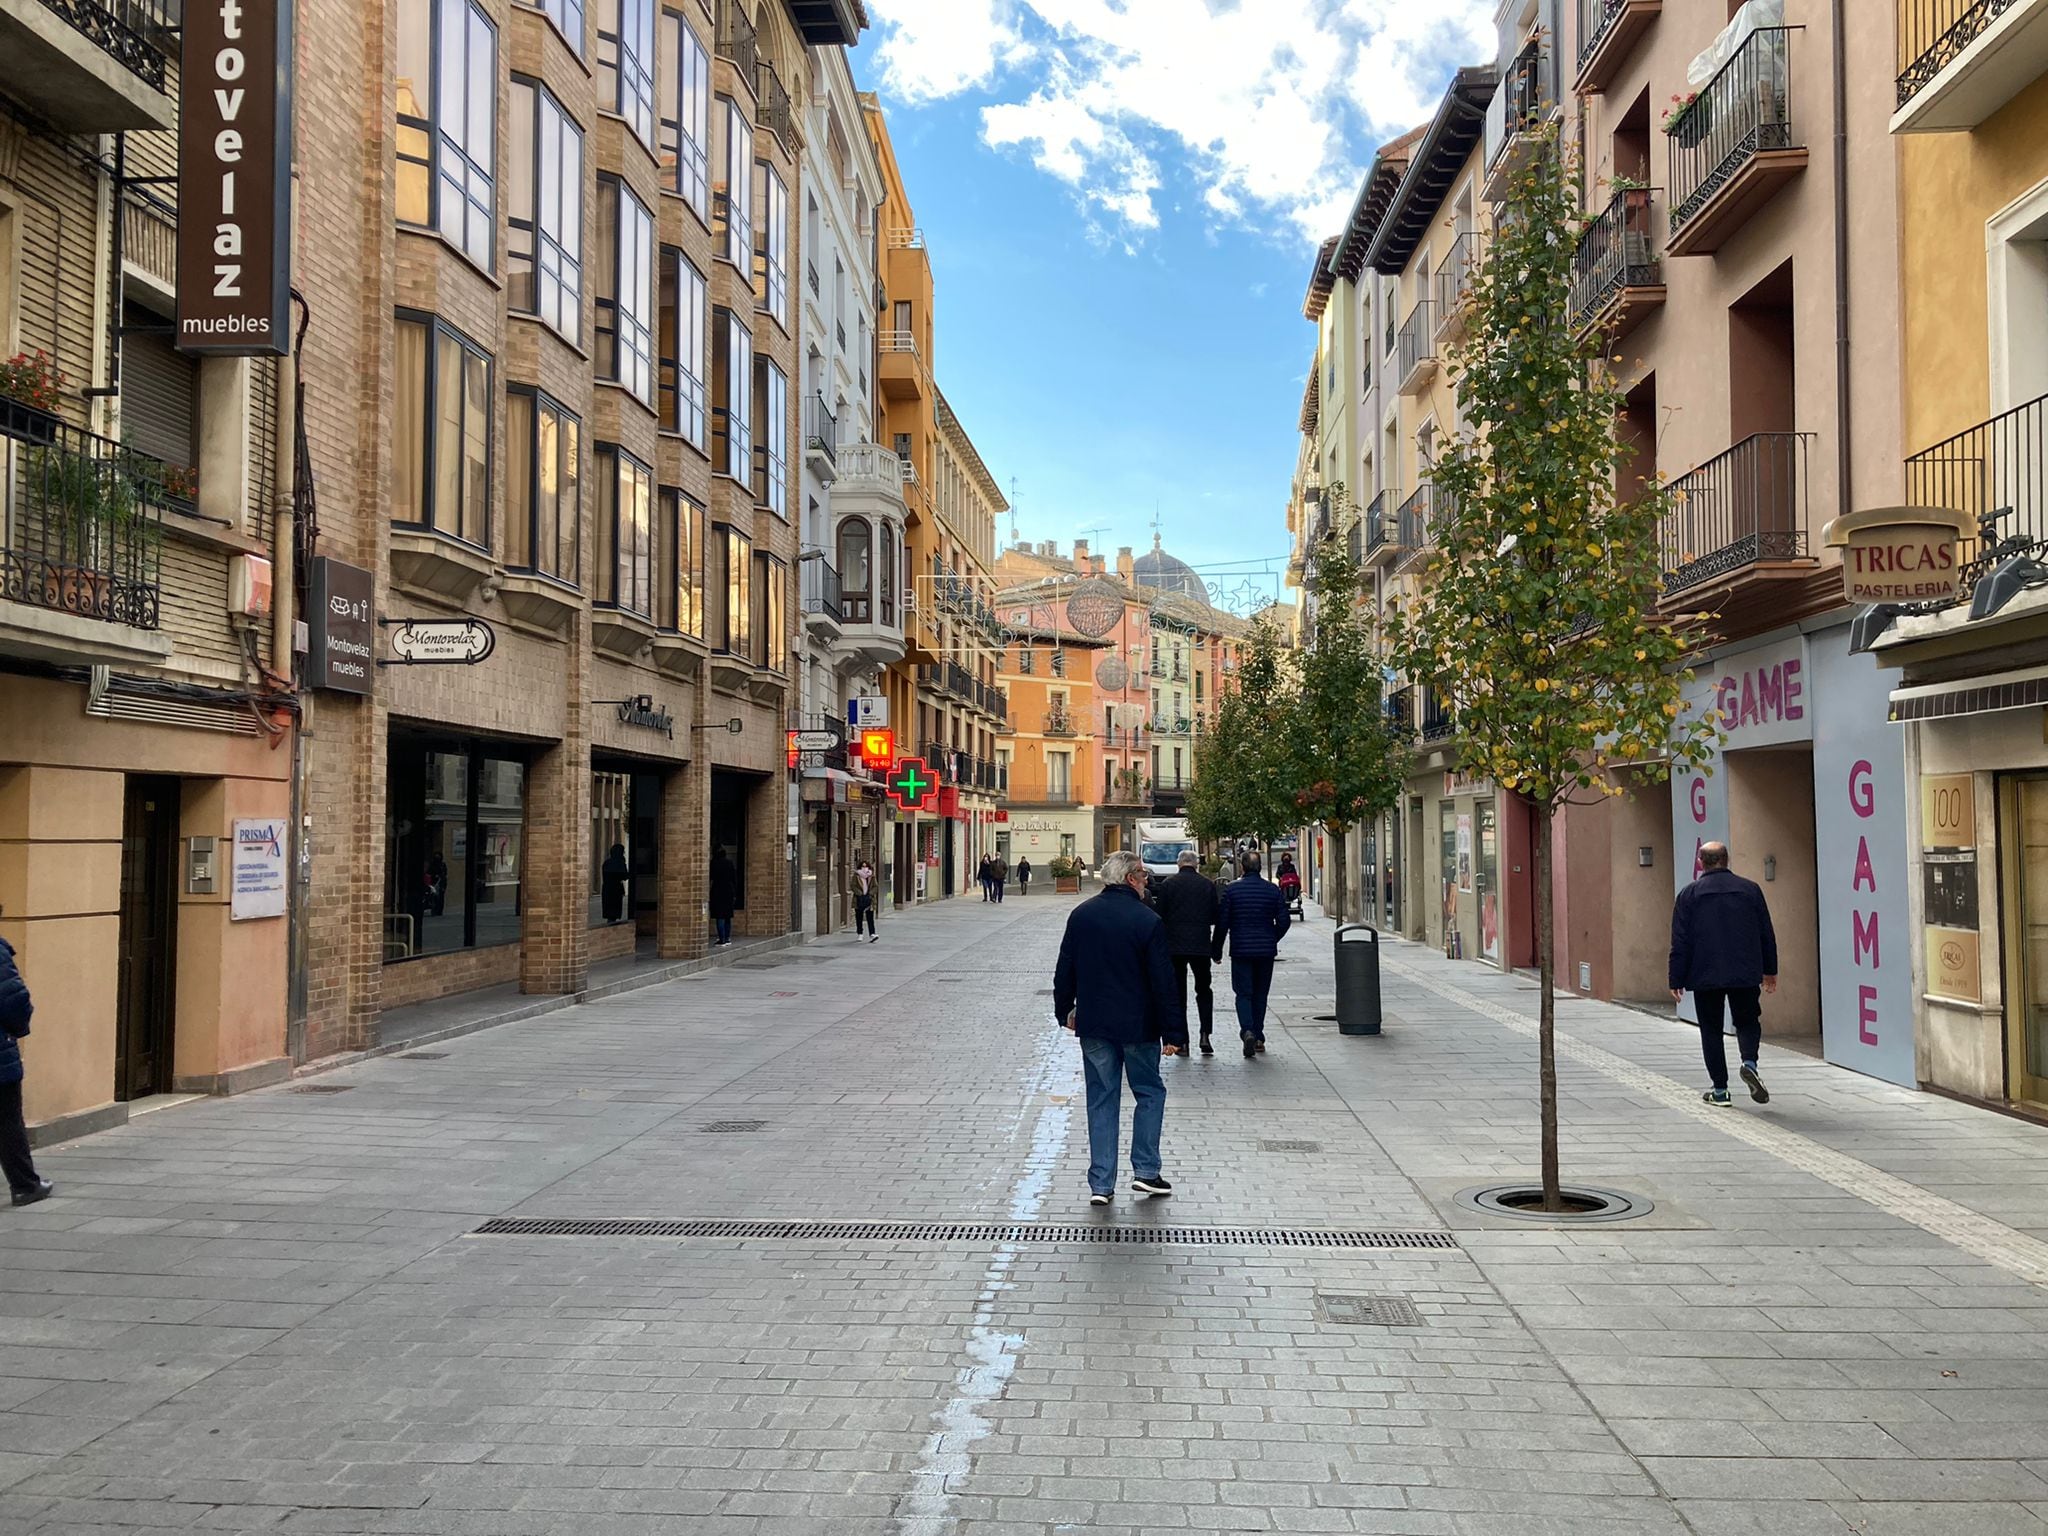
{"points": [[1358, 979]]}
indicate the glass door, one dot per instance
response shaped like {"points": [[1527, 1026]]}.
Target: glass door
{"points": [[2026, 858]]}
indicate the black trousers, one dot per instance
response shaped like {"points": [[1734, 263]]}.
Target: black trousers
{"points": [[14, 1159], [1205, 992], [863, 915], [1746, 1004]]}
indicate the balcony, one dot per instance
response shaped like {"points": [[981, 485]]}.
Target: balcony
{"points": [[1415, 529], [1382, 530], [739, 43], [824, 610], [1961, 60], [1735, 146], [83, 531], [1521, 106], [821, 439], [90, 66], [1453, 281], [1608, 33], [1997, 472], [1617, 279], [1739, 516], [1416, 351], [904, 375], [774, 110], [1058, 722]]}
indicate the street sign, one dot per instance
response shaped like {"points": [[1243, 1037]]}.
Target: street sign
{"points": [[813, 741], [341, 627], [912, 786], [440, 642], [868, 712]]}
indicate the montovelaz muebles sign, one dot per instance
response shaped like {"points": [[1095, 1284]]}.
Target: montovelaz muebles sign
{"points": [[1900, 555]]}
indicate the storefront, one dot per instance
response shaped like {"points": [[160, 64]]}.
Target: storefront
{"points": [[1476, 871], [1042, 836]]}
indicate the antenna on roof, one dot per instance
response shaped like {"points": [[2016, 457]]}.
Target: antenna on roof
{"points": [[1013, 509]]}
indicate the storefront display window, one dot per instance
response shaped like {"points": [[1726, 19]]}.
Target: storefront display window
{"points": [[452, 873]]}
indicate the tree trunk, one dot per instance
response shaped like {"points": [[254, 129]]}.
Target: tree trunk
{"points": [[1335, 893], [1546, 1027]]}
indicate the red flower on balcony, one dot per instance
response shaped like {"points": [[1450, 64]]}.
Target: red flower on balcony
{"points": [[31, 378]]}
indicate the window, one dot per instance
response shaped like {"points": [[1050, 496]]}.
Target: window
{"points": [[735, 188], [856, 556], [544, 501], [774, 289], [625, 289], [685, 301], [729, 591], [888, 571], [772, 417], [567, 15], [1059, 775], [1027, 662], [452, 862], [447, 130], [771, 613], [546, 216], [682, 563], [625, 60], [685, 147], [625, 531], [441, 460], [732, 370]]}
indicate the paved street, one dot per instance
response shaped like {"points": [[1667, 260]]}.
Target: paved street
{"points": [[274, 1313]]}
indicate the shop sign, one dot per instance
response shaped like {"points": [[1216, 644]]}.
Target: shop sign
{"points": [[234, 177], [1948, 810], [440, 642], [341, 627], [1948, 885], [1953, 965], [868, 712], [256, 874], [642, 712], [1456, 782], [1900, 554], [813, 741]]}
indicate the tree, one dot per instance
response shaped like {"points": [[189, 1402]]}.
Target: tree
{"points": [[1242, 782], [1538, 617], [1348, 752]]}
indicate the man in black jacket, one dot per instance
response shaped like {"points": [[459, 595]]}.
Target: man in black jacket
{"points": [[1113, 987], [1724, 952], [1253, 916], [1186, 903], [28, 1186]]}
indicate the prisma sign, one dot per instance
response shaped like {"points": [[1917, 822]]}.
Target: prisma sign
{"points": [[234, 177]]}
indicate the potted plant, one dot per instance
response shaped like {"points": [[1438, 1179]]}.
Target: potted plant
{"points": [[1687, 119], [30, 379], [94, 517], [1066, 874]]}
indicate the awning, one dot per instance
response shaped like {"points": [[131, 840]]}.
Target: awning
{"points": [[2021, 689]]}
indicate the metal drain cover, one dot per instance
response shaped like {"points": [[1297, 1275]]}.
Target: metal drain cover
{"points": [[967, 1232], [1290, 1146], [731, 1127], [423, 1056], [757, 965], [323, 1088], [1366, 1311]]}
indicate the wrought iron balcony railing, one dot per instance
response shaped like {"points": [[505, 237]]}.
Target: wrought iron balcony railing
{"points": [[138, 34], [773, 108], [739, 42], [1617, 250], [1743, 506], [821, 428], [1418, 340], [822, 593], [1744, 111], [1528, 95], [1933, 34], [1997, 470]]}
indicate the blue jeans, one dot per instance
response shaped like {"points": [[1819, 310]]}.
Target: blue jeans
{"points": [[724, 929], [1251, 978], [1105, 1064]]}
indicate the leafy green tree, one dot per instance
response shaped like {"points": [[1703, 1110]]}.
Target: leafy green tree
{"points": [[1243, 782], [1538, 618], [1348, 753]]}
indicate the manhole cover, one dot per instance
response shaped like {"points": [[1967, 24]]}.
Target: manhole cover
{"points": [[423, 1056], [732, 1127], [1290, 1146], [1366, 1311], [967, 1232], [1583, 1203], [323, 1088]]}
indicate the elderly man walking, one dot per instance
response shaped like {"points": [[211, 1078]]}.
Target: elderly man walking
{"points": [[1186, 903], [1113, 987], [1253, 916], [1724, 952]]}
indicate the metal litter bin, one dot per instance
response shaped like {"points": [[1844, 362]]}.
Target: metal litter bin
{"points": [[1358, 979]]}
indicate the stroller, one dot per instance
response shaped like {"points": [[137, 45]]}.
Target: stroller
{"points": [[1290, 891]]}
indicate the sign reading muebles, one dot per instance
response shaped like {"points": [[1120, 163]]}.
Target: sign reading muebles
{"points": [[234, 177]]}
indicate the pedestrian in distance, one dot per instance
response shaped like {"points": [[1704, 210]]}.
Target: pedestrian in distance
{"points": [[1253, 916], [1023, 877], [981, 879], [1186, 902], [27, 1185], [616, 873], [864, 900], [1113, 987], [998, 876], [724, 894], [1725, 953]]}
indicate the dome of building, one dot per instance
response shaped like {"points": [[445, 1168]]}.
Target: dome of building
{"points": [[1159, 570]]}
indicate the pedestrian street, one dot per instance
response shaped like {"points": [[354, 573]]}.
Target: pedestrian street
{"points": [[279, 1313]]}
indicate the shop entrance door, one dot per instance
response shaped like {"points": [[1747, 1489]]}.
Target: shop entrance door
{"points": [[2026, 842], [149, 939]]}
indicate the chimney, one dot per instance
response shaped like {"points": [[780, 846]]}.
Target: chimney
{"points": [[1097, 564], [1123, 563], [1080, 552]]}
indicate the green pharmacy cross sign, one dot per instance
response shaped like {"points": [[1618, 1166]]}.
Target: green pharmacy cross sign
{"points": [[912, 786]]}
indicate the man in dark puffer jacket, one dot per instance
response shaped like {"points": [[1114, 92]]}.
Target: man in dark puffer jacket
{"points": [[15, 1009]]}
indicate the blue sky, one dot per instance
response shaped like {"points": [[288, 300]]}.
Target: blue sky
{"points": [[1122, 200]]}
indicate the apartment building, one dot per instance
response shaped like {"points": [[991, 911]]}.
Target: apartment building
{"points": [[1969, 116], [1047, 759], [853, 514], [147, 544]]}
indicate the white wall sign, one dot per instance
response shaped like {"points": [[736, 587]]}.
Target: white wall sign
{"points": [[258, 869]]}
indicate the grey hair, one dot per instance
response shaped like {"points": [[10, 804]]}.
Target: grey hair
{"points": [[1189, 859], [1116, 869]]}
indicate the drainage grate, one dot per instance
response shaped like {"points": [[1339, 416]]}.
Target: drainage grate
{"points": [[1366, 1311], [1290, 1146], [323, 1088], [731, 1127], [757, 965], [423, 1056], [964, 1232]]}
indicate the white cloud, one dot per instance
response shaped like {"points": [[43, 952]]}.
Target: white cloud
{"points": [[1273, 106]]}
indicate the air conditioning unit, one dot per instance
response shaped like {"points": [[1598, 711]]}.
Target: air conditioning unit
{"points": [[249, 587]]}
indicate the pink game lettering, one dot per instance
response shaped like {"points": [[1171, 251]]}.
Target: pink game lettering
{"points": [[1769, 694], [1863, 942]]}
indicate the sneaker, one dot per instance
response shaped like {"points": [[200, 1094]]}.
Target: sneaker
{"points": [[1718, 1097], [1251, 1046], [1261, 1042], [1097, 1197], [1757, 1090], [1207, 1048], [1156, 1185], [41, 1190]]}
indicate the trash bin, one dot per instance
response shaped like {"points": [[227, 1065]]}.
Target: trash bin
{"points": [[1358, 980]]}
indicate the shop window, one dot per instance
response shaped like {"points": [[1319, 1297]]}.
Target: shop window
{"points": [[625, 62], [611, 831], [682, 563], [625, 531], [544, 493], [447, 103], [546, 213], [625, 289], [441, 455], [685, 144], [685, 306], [456, 818], [771, 613], [729, 591]]}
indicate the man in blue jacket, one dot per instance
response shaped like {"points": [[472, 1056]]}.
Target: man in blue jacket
{"points": [[15, 1008], [1253, 916], [1114, 988], [1724, 952]]}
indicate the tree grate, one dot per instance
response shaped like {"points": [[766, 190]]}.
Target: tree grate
{"points": [[966, 1232], [1366, 1311], [1290, 1146], [732, 1127]]}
